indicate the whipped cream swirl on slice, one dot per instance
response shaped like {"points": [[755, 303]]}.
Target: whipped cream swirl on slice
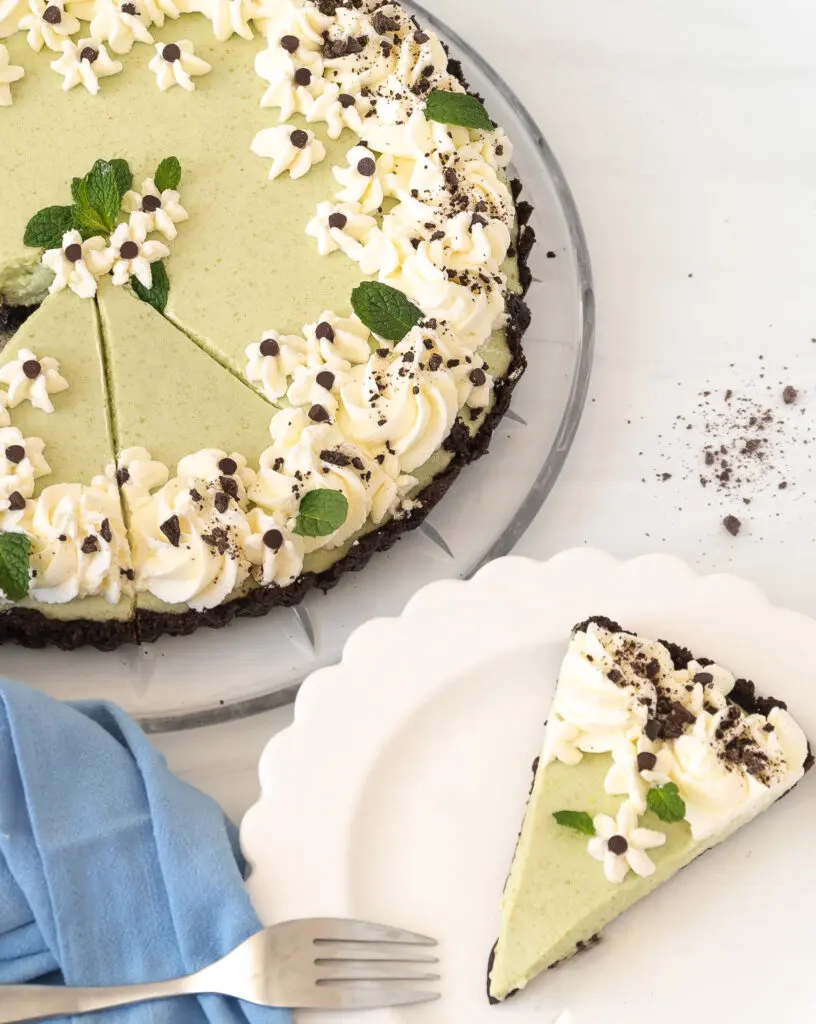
{"points": [[290, 149], [120, 24], [227, 471], [272, 361], [79, 543], [293, 70], [162, 210], [9, 74], [48, 24], [340, 226], [360, 181], [21, 464], [84, 63], [137, 475], [34, 380], [78, 264], [274, 551], [340, 341], [177, 64]]}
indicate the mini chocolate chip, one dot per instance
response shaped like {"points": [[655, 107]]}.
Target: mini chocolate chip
{"points": [[768, 727], [646, 761], [273, 539], [303, 76], [73, 252], [151, 203], [129, 251], [290, 43], [346, 101], [129, 9], [617, 845], [324, 331], [338, 220], [195, 495], [325, 379], [435, 361], [32, 369], [477, 377], [221, 502], [367, 167], [105, 531], [171, 528], [122, 476], [318, 414], [334, 458], [16, 502], [62, 537], [228, 466], [171, 53], [89, 54], [383, 353], [357, 462], [706, 678], [299, 138], [229, 485], [270, 347], [90, 545], [653, 729], [52, 15], [614, 675], [15, 453]]}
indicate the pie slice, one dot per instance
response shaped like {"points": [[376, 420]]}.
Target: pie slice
{"points": [[55, 451], [650, 758]]}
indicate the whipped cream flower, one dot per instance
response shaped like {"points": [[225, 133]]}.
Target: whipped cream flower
{"points": [[341, 341], [177, 64], [293, 72], [272, 361], [9, 73], [5, 419], [137, 475], [229, 17], [79, 543], [360, 180], [274, 551], [120, 23], [637, 767], [226, 471], [316, 386], [621, 845], [162, 210], [77, 265], [84, 63], [337, 109], [30, 379], [133, 254], [21, 464], [48, 24], [157, 10], [290, 149], [340, 226]]}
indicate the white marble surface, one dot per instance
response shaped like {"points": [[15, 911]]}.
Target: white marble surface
{"points": [[686, 132]]}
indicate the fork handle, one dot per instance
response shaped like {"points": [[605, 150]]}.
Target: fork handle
{"points": [[39, 1002]]}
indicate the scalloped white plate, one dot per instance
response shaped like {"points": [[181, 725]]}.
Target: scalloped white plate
{"points": [[398, 792]]}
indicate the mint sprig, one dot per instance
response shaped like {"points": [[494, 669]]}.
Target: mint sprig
{"points": [[168, 174], [578, 821], [321, 512], [123, 174], [46, 228], [15, 555], [666, 803], [459, 109], [158, 294], [384, 310]]}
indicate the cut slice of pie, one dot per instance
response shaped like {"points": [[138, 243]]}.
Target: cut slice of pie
{"points": [[650, 758]]}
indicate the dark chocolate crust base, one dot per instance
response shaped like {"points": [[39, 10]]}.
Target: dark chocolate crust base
{"points": [[744, 695], [33, 629]]}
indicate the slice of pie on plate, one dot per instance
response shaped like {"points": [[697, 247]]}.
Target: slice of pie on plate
{"points": [[650, 758]]}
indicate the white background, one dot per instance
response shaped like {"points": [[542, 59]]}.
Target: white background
{"points": [[687, 131]]}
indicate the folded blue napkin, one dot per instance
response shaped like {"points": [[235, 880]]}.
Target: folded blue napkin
{"points": [[112, 870]]}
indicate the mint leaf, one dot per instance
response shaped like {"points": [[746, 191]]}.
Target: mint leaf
{"points": [[168, 174], [88, 221], [158, 295], [15, 552], [578, 821], [79, 191], [321, 513], [123, 175], [103, 193], [384, 310], [666, 803], [46, 228], [457, 108]]}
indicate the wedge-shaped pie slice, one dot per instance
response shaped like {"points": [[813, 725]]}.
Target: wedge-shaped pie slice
{"points": [[650, 758], [56, 481]]}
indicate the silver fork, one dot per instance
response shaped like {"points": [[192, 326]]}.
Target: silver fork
{"points": [[317, 964]]}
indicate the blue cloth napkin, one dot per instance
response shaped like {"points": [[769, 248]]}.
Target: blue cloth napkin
{"points": [[112, 870]]}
